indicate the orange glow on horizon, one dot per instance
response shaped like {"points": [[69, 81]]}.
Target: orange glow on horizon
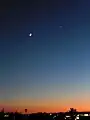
{"points": [[41, 109], [45, 105]]}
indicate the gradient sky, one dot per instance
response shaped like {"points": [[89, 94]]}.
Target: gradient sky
{"points": [[49, 71]]}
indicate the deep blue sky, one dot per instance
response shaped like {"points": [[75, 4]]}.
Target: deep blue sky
{"points": [[52, 64]]}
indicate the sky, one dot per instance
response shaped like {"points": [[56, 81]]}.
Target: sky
{"points": [[49, 71]]}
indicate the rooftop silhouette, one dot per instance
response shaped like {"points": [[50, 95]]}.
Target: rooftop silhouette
{"points": [[71, 114]]}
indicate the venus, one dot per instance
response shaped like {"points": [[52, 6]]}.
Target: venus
{"points": [[30, 34]]}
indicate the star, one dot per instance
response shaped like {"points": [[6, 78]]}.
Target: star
{"points": [[60, 26]]}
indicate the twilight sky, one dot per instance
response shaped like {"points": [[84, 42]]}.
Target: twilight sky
{"points": [[49, 71]]}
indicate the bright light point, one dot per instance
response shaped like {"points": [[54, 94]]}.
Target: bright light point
{"points": [[67, 116], [30, 34], [85, 114], [77, 118], [6, 115]]}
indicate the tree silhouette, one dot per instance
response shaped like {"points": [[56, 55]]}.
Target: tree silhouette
{"points": [[25, 110], [73, 113]]}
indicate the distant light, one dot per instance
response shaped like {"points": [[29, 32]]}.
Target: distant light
{"points": [[6, 115], [86, 115], [55, 116], [77, 118], [67, 116]]}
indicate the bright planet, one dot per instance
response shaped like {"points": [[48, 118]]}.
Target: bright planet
{"points": [[30, 34]]}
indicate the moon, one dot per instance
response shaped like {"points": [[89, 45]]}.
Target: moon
{"points": [[30, 34]]}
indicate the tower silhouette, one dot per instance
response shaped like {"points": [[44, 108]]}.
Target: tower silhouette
{"points": [[25, 110]]}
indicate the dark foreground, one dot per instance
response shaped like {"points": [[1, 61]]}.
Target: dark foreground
{"points": [[45, 116]]}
